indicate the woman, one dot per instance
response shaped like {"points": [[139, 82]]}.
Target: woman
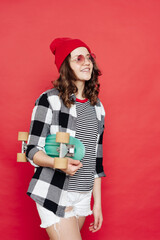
{"points": [[63, 196]]}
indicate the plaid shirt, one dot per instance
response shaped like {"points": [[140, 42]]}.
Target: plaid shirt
{"points": [[48, 186]]}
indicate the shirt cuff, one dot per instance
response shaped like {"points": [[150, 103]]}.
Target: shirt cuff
{"points": [[31, 154], [97, 175]]}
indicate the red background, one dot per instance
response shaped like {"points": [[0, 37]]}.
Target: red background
{"points": [[125, 36]]}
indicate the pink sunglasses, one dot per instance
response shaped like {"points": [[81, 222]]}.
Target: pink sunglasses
{"points": [[80, 59]]}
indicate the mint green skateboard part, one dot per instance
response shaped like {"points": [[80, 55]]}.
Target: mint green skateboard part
{"points": [[51, 147]]}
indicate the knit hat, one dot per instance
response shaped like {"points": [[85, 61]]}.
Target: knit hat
{"points": [[61, 47]]}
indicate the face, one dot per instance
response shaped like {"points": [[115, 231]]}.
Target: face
{"points": [[83, 70]]}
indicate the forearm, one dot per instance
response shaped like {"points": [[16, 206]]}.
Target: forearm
{"points": [[43, 160], [97, 210], [97, 192]]}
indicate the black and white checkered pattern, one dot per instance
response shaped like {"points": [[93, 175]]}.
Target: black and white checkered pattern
{"points": [[48, 186]]}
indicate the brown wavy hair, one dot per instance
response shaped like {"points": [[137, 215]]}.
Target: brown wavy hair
{"points": [[65, 84]]}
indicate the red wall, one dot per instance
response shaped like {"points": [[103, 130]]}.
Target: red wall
{"points": [[125, 37]]}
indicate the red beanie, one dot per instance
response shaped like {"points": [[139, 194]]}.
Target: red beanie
{"points": [[61, 47]]}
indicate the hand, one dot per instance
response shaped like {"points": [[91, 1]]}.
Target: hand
{"points": [[73, 166], [98, 219]]}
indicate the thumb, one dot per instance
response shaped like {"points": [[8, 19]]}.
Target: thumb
{"points": [[74, 162], [95, 223]]}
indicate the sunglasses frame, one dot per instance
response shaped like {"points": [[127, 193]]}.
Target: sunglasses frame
{"points": [[90, 57]]}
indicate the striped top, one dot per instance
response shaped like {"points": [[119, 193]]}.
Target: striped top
{"points": [[86, 131]]}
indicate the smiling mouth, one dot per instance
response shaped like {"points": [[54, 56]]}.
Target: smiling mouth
{"points": [[86, 70]]}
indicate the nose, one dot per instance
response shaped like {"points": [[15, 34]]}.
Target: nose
{"points": [[87, 61]]}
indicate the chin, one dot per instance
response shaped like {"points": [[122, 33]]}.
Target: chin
{"points": [[86, 78]]}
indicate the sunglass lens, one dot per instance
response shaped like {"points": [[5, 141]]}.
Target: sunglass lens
{"points": [[80, 59], [92, 56]]}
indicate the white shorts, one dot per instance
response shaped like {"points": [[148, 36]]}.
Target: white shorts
{"points": [[80, 203]]}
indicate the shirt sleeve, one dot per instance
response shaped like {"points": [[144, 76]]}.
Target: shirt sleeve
{"points": [[39, 128], [99, 172]]}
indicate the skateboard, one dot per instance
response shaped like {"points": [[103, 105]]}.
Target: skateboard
{"points": [[59, 146]]}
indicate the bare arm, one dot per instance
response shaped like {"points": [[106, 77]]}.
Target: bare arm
{"points": [[97, 209], [42, 159]]}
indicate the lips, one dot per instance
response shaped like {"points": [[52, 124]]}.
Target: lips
{"points": [[85, 70]]}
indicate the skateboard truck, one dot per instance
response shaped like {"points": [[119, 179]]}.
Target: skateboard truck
{"points": [[66, 150], [22, 136]]}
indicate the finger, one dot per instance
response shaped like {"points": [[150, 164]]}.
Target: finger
{"points": [[75, 168], [80, 165], [73, 161], [73, 172], [98, 226], [77, 163], [91, 228], [95, 223]]}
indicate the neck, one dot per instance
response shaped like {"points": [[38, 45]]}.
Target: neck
{"points": [[80, 85]]}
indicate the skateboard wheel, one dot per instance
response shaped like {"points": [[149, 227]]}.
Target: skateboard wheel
{"points": [[21, 157], [62, 137], [60, 163], [22, 136]]}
